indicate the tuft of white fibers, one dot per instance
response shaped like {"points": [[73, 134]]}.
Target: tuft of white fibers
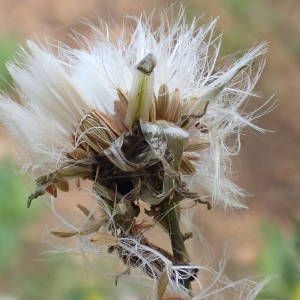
{"points": [[152, 119], [57, 90]]}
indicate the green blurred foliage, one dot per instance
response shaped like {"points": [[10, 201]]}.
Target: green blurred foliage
{"points": [[297, 237], [241, 9], [83, 294], [281, 260], [13, 212], [256, 17], [8, 47]]}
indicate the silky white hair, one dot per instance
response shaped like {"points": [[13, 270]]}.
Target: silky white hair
{"points": [[58, 89]]}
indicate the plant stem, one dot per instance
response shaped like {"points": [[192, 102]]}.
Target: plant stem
{"points": [[176, 237]]}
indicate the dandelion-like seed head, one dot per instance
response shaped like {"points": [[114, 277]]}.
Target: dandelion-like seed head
{"points": [[151, 120]]}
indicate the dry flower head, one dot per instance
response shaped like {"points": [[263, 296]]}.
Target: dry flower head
{"points": [[151, 122]]}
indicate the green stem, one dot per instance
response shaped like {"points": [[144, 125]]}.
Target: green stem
{"points": [[176, 237]]}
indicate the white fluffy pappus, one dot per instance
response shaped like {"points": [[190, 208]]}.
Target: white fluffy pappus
{"points": [[59, 89]]}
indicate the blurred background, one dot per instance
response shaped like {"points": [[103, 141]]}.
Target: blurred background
{"points": [[265, 239]]}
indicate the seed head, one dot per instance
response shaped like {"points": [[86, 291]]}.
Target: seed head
{"points": [[152, 122]]}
